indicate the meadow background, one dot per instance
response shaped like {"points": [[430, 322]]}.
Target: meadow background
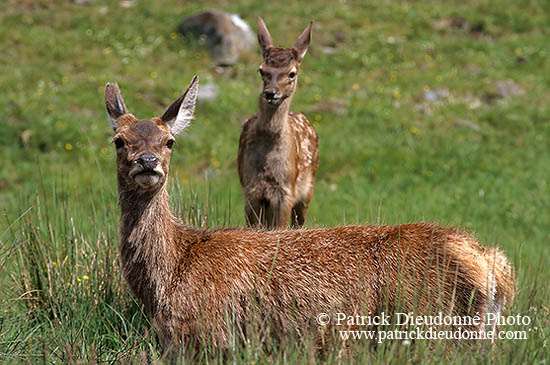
{"points": [[476, 157]]}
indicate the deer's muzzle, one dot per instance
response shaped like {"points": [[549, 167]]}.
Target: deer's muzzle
{"points": [[272, 96], [146, 171]]}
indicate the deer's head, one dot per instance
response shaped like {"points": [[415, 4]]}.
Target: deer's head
{"points": [[279, 71], [144, 146]]}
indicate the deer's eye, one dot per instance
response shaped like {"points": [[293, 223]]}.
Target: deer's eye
{"points": [[119, 143], [292, 75], [170, 143]]}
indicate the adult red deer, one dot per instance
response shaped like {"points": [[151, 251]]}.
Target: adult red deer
{"points": [[278, 149], [191, 281]]}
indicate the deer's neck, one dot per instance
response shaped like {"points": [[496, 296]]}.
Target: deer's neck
{"points": [[148, 251], [274, 118]]}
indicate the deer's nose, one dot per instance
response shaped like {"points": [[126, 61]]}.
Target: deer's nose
{"points": [[270, 94], [148, 162]]}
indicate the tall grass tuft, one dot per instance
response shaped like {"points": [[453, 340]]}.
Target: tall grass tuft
{"points": [[65, 301]]}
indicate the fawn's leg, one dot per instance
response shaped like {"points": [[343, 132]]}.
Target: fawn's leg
{"points": [[299, 213], [253, 212], [277, 214]]}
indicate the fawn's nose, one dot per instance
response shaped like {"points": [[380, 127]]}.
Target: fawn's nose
{"points": [[270, 94], [148, 162]]}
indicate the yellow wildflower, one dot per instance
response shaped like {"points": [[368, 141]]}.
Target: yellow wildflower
{"points": [[215, 161]]}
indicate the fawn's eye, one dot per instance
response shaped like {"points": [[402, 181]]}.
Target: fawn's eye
{"points": [[119, 143], [170, 143], [292, 75]]}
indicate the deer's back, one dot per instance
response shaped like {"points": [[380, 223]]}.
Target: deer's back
{"points": [[350, 268], [306, 142]]}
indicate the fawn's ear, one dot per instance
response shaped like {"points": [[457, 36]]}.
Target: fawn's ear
{"points": [[114, 103], [179, 114], [263, 36], [302, 43]]}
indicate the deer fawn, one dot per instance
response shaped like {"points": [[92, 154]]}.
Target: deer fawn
{"points": [[278, 149], [193, 281]]}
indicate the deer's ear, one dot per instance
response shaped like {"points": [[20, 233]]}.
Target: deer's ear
{"points": [[263, 36], [114, 103], [302, 43], [179, 114]]}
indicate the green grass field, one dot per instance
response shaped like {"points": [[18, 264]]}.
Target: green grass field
{"points": [[472, 159]]}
